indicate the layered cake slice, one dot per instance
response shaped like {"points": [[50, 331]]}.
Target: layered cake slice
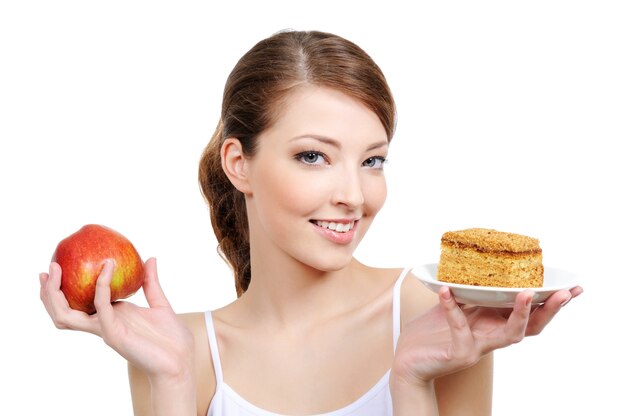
{"points": [[484, 257]]}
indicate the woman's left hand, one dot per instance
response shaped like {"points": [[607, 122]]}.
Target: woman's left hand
{"points": [[450, 337]]}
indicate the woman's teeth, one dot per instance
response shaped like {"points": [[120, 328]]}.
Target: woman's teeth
{"points": [[336, 226]]}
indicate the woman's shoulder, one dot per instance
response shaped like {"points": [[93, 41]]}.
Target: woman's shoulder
{"points": [[196, 323], [205, 374], [194, 320], [415, 298]]}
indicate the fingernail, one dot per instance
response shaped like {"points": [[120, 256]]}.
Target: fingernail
{"points": [[529, 300], [566, 301], [446, 294]]}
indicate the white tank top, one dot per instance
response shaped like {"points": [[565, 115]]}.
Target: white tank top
{"points": [[375, 402]]}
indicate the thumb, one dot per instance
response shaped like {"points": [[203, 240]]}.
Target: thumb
{"points": [[152, 288]]}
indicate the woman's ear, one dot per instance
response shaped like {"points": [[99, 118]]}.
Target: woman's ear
{"points": [[234, 164]]}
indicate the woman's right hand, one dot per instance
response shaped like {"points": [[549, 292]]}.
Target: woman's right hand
{"points": [[152, 339]]}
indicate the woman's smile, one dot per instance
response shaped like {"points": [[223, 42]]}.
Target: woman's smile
{"points": [[337, 231]]}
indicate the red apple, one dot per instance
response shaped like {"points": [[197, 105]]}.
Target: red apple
{"points": [[82, 256]]}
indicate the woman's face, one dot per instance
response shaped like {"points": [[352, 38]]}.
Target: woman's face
{"points": [[316, 181]]}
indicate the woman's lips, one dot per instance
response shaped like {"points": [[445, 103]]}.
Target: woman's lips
{"points": [[341, 226], [337, 231]]}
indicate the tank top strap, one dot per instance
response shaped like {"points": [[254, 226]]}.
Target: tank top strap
{"points": [[215, 354], [397, 324]]}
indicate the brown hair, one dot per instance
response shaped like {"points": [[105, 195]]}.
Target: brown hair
{"points": [[253, 94]]}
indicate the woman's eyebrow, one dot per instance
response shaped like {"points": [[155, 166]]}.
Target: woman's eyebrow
{"points": [[377, 145], [335, 143], [323, 139]]}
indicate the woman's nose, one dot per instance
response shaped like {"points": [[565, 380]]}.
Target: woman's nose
{"points": [[348, 190]]}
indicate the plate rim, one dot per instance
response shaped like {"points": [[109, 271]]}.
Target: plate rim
{"points": [[571, 278]]}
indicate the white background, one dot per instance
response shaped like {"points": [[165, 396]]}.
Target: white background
{"points": [[510, 116]]}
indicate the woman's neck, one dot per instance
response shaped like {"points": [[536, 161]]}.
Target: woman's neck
{"points": [[288, 294]]}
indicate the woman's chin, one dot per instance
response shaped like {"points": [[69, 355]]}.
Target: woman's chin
{"points": [[333, 264]]}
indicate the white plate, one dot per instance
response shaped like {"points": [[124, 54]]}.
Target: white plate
{"points": [[500, 297]]}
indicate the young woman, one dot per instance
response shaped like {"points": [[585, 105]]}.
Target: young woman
{"points": [[294, 178]]}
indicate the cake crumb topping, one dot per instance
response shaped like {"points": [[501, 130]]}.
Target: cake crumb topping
{"points": [[484, 239]]}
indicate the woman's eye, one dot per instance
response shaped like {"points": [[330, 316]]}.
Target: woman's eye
{"points": [[311, 158], [375, 162]]}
